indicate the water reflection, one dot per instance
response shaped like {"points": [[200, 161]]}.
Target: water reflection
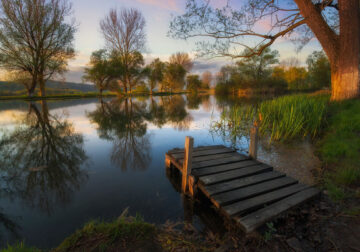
{"points": [[123, 123], [40, 159]]}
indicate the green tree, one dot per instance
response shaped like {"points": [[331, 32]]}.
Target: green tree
{"points": [[193, 83], [36, 38], [99, 72], [174, 77], [156, 73], [124, 33], [258, 67], [319, 70]]}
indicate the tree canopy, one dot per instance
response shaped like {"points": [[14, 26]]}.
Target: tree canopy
{"points": [[36, 38]]}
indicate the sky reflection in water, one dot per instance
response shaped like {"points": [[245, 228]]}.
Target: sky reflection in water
{"points": [[63, 163]]}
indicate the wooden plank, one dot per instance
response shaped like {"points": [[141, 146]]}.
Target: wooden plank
{"points": [[211, 157], [252, 191], [243, 182], [222, 168], [234, 174], [261, 200], [254, 141], [205, 152], [200, 148], [258, 218], [189, 143], [228, 160]]}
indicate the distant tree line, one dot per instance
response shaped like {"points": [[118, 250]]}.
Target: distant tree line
{"points": [[265, 72]]}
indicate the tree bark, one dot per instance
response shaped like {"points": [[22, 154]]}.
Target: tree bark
{"points": [[42, 86], [345, 79], [343, 50]]}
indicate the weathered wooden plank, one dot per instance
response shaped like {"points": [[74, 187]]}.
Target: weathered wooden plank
{"points": [[200, 148], [205, 152], [189, 143], [258, 218], [212, 157], [251, 191], [234, 174], [228, 160], [263, 199], [222, 168], [242, 182]]}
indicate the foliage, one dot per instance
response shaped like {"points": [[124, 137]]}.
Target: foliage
{"points": [[340, 145], [124, 33], [19, 247], [156, 73], [182, 59], [43, 49], [294, 116], [100, 71], [174, 77], [319, 70], [193, 83], [123, 233]]}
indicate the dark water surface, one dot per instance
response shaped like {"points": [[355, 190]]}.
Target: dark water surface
{"points": [[63, 163]]}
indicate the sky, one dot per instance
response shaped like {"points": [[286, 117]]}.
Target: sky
{"points": [[157, 13]]}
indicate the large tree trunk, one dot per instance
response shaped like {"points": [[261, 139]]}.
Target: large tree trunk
{"points": [[343, 50], [345, 72]]}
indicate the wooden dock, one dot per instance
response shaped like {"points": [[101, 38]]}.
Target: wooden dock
{"points": [[247, 191]]}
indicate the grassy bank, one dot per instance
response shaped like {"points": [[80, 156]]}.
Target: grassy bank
{"points": [[126, 234], [334, 128], [87, 95]]}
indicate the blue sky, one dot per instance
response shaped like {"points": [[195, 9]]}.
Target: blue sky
{"points": [[157, 13]]}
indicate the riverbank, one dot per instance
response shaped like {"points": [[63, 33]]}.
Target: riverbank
{"points": [[95, 95]]}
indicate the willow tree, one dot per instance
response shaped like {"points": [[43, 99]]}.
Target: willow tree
{"points": [[335, 24], [36, 38]]}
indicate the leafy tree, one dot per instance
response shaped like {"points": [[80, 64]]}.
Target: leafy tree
{"points": [[124, 33], [36, 39], [182, 59], [296, 77], [335, 23], [258, 67], [319, 70], [174, 77], [129, 74], [156, 73], [193, 83], [99, 72]]}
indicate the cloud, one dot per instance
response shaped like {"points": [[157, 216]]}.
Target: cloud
{"points": [[163, 4]]}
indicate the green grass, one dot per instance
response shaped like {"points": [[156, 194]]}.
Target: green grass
{"points": [[294, 116], [19, 247], [98, 235], [339, 147]]}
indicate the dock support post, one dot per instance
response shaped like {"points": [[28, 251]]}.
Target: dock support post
{"points": [[254, 138], [189, 144]]}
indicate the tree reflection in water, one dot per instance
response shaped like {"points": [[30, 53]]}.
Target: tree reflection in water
{"points": [[40, 160], [123, 123], [175, 112]]}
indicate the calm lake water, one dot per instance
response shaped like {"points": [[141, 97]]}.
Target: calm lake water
{"points": [[63, 163]]}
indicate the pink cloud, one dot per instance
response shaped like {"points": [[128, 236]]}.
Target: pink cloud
{"points": [[164, 4]]}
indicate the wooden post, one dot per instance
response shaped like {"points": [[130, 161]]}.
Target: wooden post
{"points": [[254, 138], [189, 143]]}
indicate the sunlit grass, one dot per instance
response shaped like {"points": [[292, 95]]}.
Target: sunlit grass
{"points": [[295, 116]]}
